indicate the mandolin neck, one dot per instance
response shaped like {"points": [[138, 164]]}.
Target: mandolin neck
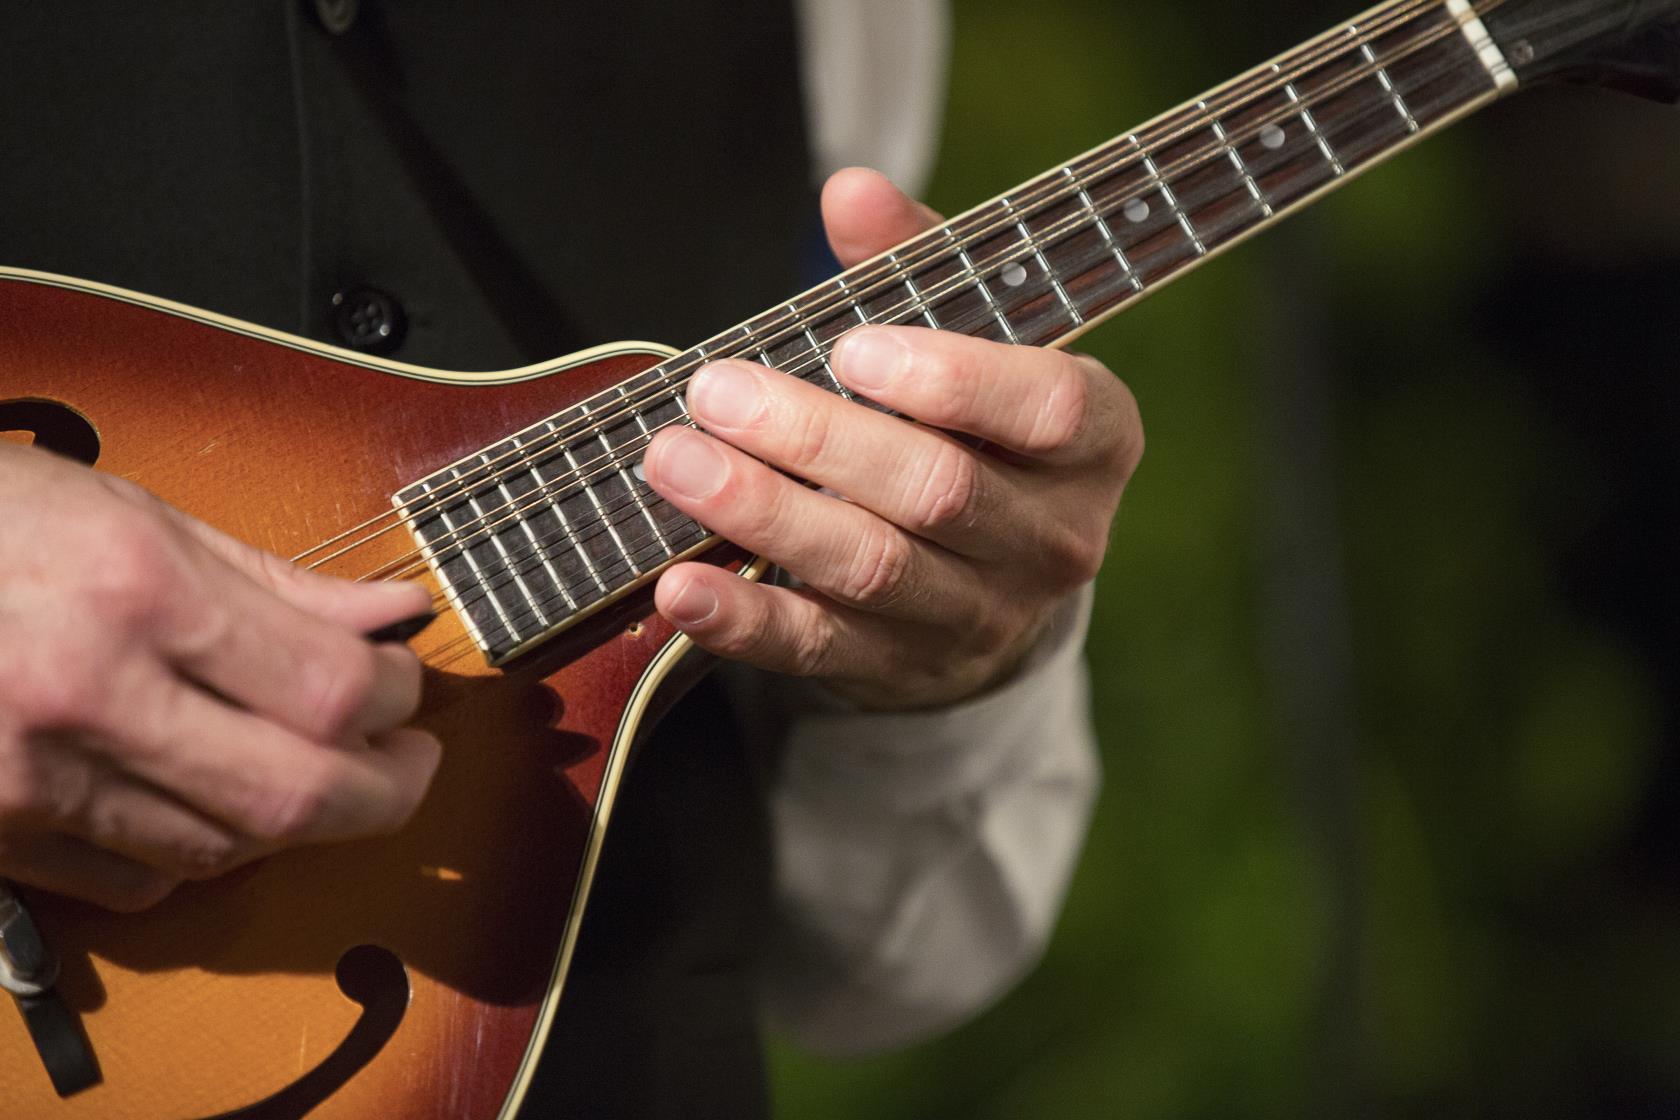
{"points": [[1035, 266]]}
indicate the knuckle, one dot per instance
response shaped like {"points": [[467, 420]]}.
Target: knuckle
{"points": [[1076, 556], [809, 437], [62, 688], [287, 814], [1063, 411], [338, 688], [811, 651], [948, 492], [134, 573], [950, 390], [207, 857], [876, 576]]}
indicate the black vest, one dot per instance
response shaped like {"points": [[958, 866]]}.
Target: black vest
{"points": [[505, 182]]}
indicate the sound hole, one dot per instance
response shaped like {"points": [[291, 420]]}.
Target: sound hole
{"points": [[373, 977], [52, 425]]}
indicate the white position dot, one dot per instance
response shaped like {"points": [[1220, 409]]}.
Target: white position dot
{"points": [[1137, 210], [1014, 275], [640, 471], [1272, 137]]}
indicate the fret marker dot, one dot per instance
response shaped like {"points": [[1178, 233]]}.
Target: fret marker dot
{"points": [[1014, 275], [1271, 137], [1137, 210], [639, 471]]}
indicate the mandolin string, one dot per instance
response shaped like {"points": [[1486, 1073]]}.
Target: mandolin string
{"points": [[1304, 58], [618, 457], [904, 260], [514, 567]]}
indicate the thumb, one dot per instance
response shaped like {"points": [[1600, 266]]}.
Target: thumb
{"points": [[865, 214]]}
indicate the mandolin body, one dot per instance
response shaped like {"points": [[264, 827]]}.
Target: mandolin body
{"points": [[230, 997]]}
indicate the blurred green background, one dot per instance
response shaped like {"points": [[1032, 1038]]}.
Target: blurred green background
{"points": [[1385, 649]]}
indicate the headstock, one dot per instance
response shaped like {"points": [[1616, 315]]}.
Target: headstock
{"points": [[1631, 45]]}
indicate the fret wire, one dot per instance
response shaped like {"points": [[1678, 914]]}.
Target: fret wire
{"points": [[501, 548], [507, 561], [1242, 169], [1104, 231], [916, 299], [821, 352], [595, 500], [571, 534], [1172, 202], [1038, 255], [537, 549], [980, 283], [473, 565], [524, 524], [856, 302], [630, 483], [1314, 131], [1388, 87]]}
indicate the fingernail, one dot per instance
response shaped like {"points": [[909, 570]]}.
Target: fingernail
{"points": [[871, 359], [690, 465], [404, 630], [727, 394], [694, 604]]}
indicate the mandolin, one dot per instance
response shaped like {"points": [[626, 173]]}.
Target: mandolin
{"points": [[415, 975]]}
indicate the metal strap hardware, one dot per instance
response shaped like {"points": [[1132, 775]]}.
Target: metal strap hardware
{"points": [[28, 970]]}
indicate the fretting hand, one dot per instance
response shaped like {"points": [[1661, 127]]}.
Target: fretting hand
{"points": [[174, 703], [933, 574]]}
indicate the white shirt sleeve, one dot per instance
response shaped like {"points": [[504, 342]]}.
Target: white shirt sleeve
{"points": [[921, 859]]}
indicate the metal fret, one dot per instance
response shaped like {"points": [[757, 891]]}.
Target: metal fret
{"points": [[1388, 87], [909, 282], [496, 542], [822, 354], [630, 478], [566, 522], [1313, 130], [857, 304], [1038, 255], [1172, 201], [525, 523], [465, 552], [1107, 234], [980, 285], [595, 500], [1242, 167]]}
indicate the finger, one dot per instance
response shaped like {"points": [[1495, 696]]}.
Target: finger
{"points": [[914, 477], [70, 866], [839, 548], [1043, 404], [279, 661], [770, 627], [359, 607], [865, 214], [264, 781], [140, 822]]}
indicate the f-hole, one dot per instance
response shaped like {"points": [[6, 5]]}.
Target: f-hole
{"points": [[373, 977], [52, 425]]}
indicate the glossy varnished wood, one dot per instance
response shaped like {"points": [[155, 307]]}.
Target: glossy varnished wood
{"points": [[226, 994]]}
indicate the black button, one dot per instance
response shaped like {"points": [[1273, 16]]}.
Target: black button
{"points": [[368, 320], [336, 15]]}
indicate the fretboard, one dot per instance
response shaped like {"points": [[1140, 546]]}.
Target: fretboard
{"points": [[553, 522]]}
